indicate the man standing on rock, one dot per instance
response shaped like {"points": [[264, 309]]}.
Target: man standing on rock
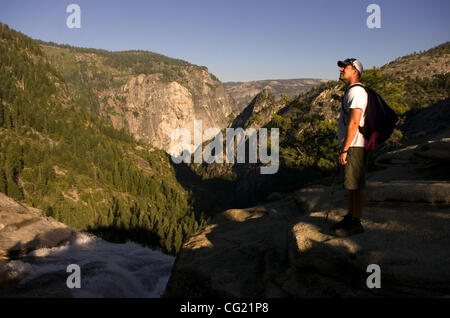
{"points": [[352, 156]]}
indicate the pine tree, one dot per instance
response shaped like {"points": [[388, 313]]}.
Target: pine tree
{"points": [[3, 183], [146, 224], [2, 113], [134, 223], [109, 220], [178, 238], [101, 221], [14, 159], [14, 190], [116, 175], [168, 244]]}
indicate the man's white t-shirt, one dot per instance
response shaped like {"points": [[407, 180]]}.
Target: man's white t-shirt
{"points": [[356, 97]]}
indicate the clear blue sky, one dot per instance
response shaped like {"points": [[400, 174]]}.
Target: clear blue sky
{"points": [[242, 40]]}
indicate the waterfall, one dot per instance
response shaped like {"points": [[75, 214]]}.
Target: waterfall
{"points": [[106, 270]]}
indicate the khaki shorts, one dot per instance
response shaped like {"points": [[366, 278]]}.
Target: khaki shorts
{"points": [[354, 171]]}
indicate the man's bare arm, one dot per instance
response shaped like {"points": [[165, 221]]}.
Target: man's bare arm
{"points": [[352, 129]]}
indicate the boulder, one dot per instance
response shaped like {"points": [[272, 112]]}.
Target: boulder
{"points": [[24, 229], [239, 254]]}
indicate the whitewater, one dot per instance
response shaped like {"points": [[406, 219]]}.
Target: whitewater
{"points": [[108, 270]]}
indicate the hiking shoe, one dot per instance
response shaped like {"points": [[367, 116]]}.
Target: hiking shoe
{"points": [[347, 219], [352, 228]]}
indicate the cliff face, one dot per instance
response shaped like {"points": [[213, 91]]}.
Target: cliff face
{"points": [[151, 110], [146, 93]]}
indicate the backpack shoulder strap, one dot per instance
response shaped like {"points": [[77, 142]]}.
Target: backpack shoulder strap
{"points": [[357, 84], [348, 88]]}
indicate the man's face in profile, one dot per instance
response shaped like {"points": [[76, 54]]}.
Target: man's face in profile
{"points": [[346, 73]]}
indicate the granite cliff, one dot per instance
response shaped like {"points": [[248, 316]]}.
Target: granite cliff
{"points": [[146, 93], [151, 110]]}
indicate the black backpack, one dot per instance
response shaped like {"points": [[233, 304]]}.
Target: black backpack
{"points": [[379, 119]]}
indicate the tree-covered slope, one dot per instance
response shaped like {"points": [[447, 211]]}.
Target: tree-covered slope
{"points": [[60, 157]]}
